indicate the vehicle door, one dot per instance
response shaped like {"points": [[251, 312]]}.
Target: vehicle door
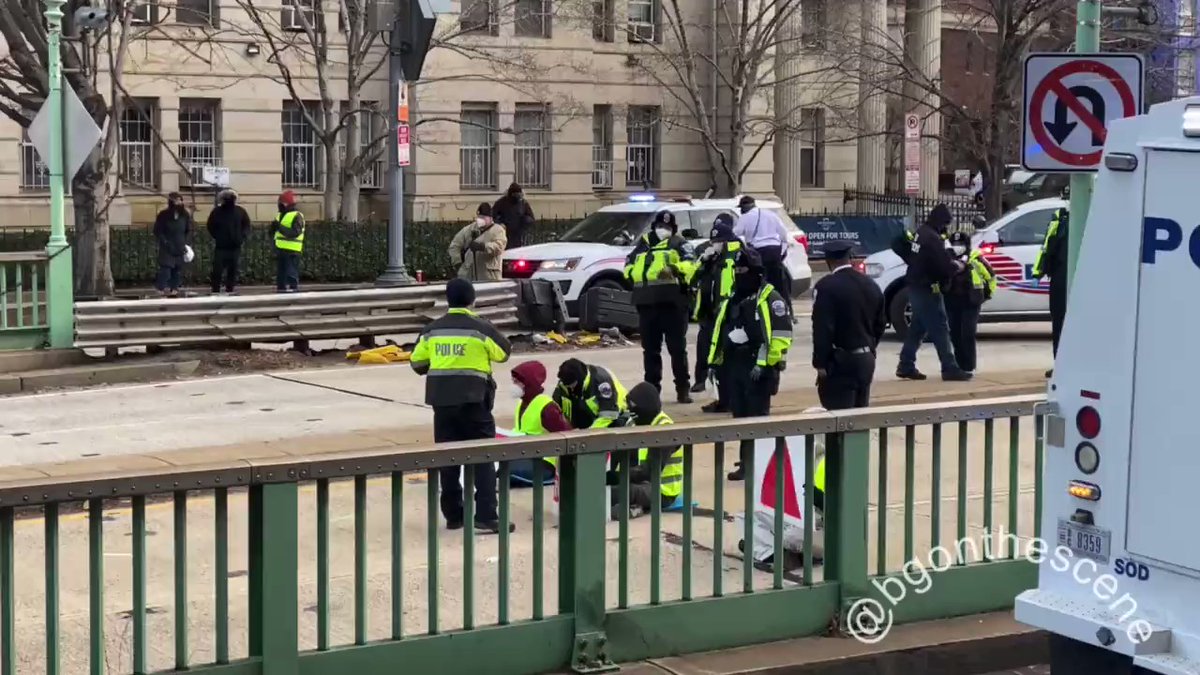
{"points": [[1016, 246]]}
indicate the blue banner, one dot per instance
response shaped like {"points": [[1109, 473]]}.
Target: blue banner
{"points": [[870, 234]]}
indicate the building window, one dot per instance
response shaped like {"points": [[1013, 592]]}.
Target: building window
{"points": [[199, 139], [812, 147], [301, 149], [35, 175], [532, 18], [602, 147], [370, 155], [602, 20], [643, 21], [642, 146], [479, 16], [814, 22], [143, 13], [478, 148], [138, 144], [531, 147], [196, 12], [296, 14]]}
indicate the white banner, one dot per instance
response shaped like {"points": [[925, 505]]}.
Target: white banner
{"points": [[763, 545]]}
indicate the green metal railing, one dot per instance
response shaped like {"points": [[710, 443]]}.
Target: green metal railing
{"points": [[23, 315], [326, 564]]}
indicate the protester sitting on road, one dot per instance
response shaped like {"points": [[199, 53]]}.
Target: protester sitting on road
{"points": [[645, 409], [590, 397], [477, 249], [536, 411]]}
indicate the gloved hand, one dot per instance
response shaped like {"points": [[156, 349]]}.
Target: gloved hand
{"points": [[756, 373], [781, 366], [712, 376], [477, 246], [738, 336]]}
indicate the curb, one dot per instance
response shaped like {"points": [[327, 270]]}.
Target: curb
{"points": [[89, 376]]}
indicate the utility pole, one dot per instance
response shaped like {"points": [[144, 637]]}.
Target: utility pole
{"points": [[395, 274], [60, 285], [1087, 40]]}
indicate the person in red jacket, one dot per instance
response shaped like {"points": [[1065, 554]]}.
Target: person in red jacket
{"points": [[536, 412]]}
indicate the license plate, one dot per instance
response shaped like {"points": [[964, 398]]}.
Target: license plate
{"points": [[1084, 541]]}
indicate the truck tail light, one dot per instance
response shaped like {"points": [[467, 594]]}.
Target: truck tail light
{"points": [[1087, 421], [1082, 490]]}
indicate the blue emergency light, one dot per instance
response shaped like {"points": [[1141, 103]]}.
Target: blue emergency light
{"points": [[641, 198]]}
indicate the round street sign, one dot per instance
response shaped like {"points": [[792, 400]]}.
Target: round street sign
{"points": [[1070, 109]]}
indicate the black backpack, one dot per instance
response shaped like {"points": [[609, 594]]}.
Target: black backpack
{"points": [[902, 245]]}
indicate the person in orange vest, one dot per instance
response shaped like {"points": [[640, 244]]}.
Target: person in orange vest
{"points": [[288, 233]]}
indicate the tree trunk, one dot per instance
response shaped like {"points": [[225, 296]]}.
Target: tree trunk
{"points": [[93, 259], [352, 164]]}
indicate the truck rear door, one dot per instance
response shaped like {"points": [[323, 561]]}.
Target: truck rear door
{"points": [[1164, 472]]}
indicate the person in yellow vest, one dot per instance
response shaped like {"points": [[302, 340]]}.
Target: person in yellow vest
{"points": [[967, 292], [590, 397], [645, 409], [660, 269], [714, 284], [536, 411], [1052, 262], [288, 232]]}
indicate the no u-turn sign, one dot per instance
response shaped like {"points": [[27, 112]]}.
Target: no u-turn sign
{"points": [[1069, 101]]}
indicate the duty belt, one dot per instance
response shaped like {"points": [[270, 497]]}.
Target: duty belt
{"points": [[860, 350]]}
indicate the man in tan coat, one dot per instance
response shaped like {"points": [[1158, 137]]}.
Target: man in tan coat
{"points": [[477, 249]]}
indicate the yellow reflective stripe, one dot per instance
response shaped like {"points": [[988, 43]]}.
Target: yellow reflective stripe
{"points": [[715, 359]]}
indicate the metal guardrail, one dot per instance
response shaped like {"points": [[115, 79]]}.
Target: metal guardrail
{"points": [[23, 311], [283, 317], [329, 533]]}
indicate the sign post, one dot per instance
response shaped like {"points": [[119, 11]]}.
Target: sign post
{"points": [[912, 154]]}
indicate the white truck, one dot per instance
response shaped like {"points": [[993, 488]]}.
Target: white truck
{"points": [[1119, 589]]}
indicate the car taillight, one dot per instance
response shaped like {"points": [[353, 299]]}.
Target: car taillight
{"points": [[861, 266], [802, 239], [520, 269], [987, 248], [1087, 421]]}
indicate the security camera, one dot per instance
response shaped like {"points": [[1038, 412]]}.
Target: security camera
{"points": [[91, 18]]}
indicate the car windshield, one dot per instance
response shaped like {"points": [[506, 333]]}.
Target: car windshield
{"points": [[616, 228]]}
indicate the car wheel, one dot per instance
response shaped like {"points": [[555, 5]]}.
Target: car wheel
{"points": [[900, 313]]}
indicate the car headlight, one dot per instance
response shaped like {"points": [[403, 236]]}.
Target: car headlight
{"points": [[873, 269], [560, 265]]}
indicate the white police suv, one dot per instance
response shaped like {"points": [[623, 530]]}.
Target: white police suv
{"points": [[592, 253], [1010, 245]]}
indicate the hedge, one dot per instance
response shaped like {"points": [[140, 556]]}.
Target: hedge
{"points": [[333, 252]]}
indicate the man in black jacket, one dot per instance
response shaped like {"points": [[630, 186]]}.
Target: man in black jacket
{"points": [[229, 226], [172, 229], [930, 268], [515, 214]]}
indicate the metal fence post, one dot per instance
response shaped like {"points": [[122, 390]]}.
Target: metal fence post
{"points": [[274, 581], [848, 474], [583, 517], [60, 298]]}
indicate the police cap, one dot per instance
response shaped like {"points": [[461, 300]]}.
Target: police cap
{"points": [[838, 249]]}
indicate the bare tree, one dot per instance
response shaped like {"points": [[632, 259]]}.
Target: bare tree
{"points": [[91, 60]]}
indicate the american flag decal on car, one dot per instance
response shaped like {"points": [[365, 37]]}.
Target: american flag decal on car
{"points": [[1011, 274]]}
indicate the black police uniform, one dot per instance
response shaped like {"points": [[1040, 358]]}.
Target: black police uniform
{"points": [[710, 291], [848, 322], [662, 303], [455, 353], [1053, 263]]}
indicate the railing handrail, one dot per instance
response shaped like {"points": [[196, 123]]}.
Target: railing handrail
{"points": [[23, 256], [382, 457]]}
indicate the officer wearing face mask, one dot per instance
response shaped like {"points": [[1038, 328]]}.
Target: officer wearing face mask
{"points": [[751, 339], [967, 292], [645, 409], [660, 269], [713, 284]]}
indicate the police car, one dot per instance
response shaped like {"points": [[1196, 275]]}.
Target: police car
{"points": [[1010, 245], [592, 253]]}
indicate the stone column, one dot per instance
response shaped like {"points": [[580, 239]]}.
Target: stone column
{"points": [[923, 44], [872, 102], [789, 98]]}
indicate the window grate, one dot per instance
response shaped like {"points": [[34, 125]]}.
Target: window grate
{"points": [[301, 152], [531, 147], [35, 174], [199, 143], [602, 147], [532, 18], [138, 144], [642, 146], [478, 147]]}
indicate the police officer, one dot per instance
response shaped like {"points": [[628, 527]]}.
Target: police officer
{"points": [[1052, 262], [751, 337], [930, 267], [848, 322], [714, 284], [589, 396], [288, 233], [457, 351], [660, 268], [766, 233], [645, 409], [967, 292]]}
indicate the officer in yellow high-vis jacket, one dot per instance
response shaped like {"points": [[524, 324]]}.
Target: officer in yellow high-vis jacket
{"points": [[713, 284], [751, 339], [967, 292], [645, 409], [660, 269], [455, 353], [590, 397], [288, 233]]}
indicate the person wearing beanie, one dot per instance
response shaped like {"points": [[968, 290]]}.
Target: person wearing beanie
{"points": [[645, 409], [931, 266], [589, 396], [713, 284], [229, 226], [536, 412], [288, 232], [456, 352], [172, 230], [477, 250], [660, 269], [515, 214]]}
